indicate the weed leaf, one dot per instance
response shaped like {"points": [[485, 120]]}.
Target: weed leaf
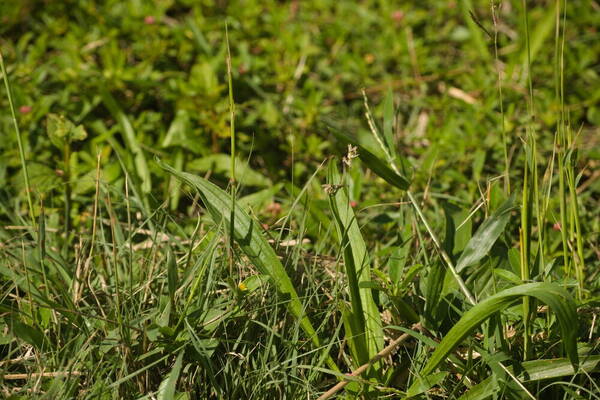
{"points": [[485, 237], [551, 294], [166, 390], [532, 371], [365, 313]]}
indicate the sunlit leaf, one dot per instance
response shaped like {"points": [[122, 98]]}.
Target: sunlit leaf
{"points": [[559, 301]]}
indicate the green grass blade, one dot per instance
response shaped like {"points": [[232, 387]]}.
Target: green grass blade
{"points": [[535, 371], [27, 333], [554, 296], [421, 385], [475, 28], [19, 139], [388, 121], [166, 391], [172, 276], [485, 237], [247, 234], [356, 261]]}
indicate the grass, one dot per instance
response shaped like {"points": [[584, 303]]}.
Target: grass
{"points": [[299, 200]]}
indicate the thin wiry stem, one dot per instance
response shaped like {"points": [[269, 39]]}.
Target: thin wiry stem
{"points": [[232, 145]]}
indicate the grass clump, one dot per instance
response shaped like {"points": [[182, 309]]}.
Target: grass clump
{"points": [[299, 200]]}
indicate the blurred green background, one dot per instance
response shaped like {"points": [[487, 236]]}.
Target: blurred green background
{"points": [[148, 79]]}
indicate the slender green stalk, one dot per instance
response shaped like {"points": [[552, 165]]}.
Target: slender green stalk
{"points": [[525, 241], [440, 249], [501, 103], [530, 197], [576, 230], [567, 171], [130, 234], [41, 237], [561, 138], [232, 144], [231, 112], [68, 191], [19, 139]]}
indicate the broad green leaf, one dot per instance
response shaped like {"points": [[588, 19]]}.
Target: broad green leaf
{"points": [[559, 301], [434, 284], [458, 228], [380, 167], [356, 261], [27, 333], [532, 371], [486, 235], [42, 178], [221, 163], [247, 234], [62, 132], [397, 261], [166, 390], [177, 133], [421, 385], [259, 200], [508, 276], [252, 283]]}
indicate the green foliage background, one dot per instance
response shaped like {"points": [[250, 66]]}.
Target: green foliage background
{"points": [[128, 281]]}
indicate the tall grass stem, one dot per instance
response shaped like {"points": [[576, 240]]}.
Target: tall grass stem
{"points": [[19, 139]]}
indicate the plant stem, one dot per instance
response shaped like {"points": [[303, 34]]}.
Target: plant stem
{"points": [[19, 140], [232, 156], [441, 250]]}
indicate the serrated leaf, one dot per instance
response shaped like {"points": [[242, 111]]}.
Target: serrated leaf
{"points": [[57, 127], [79, 133]]}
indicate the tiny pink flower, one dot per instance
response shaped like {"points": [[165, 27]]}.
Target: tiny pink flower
{"points": [[149, 20], [398, 15], [353, 204], [557, 226], [25, 109]]}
